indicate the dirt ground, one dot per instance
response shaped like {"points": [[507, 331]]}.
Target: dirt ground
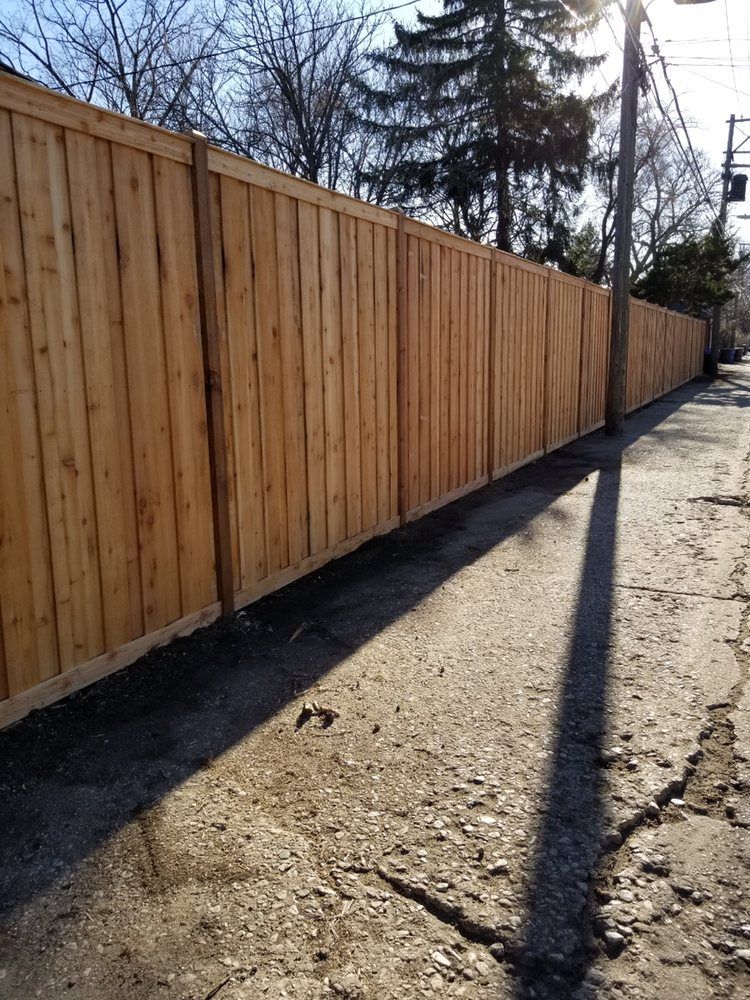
{"points": [[533, 780]]}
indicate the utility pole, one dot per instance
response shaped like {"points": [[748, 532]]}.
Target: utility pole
{"points": [[618, 350], [725, 178], [614, 413]]}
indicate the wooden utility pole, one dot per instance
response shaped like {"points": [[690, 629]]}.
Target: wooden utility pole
{"points": [[725, 178], [618, 354], [614, 414]]}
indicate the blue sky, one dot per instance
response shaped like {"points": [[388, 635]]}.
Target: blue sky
{"points": [[707, 48]]}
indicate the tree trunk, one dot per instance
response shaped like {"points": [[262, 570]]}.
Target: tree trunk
{"points": [[502, 184], [503, 208]]}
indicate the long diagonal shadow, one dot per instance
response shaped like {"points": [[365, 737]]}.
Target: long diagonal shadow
{"points": [[74, 774], [556, 942]]}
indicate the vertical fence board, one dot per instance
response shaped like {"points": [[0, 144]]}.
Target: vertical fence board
{"points": [[270, 376], [423, 355], [292, 376], [384, 334], [98, 301], [333, 380], [27, 606], [393, 355], [217, 195], [149, 403], [436, 417], [369, 386], [58, 362], [242, 390], [351, 374], [185, 384], [312, 344]]}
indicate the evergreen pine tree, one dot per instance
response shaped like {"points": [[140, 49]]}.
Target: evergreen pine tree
{"points": [[694, 275], [494, 120]]}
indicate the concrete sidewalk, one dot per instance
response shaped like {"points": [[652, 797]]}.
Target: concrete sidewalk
{"points": [[536, 783]]}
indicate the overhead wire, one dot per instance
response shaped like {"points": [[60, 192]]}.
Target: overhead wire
{"points": [[689, 155], [709, 79], [729, 42], [231, 50]]}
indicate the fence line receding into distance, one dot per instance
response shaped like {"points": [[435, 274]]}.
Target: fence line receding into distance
{"points": [[208, 364]]}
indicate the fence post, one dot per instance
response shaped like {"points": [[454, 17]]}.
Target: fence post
{"points": [[584, 302], [402, 380], [545, 380], [491, 351], [209, 328]]}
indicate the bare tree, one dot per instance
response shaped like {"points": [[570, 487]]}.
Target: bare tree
{"points": [[288, 91], [736, 312], [669, 202], [138, 57]]}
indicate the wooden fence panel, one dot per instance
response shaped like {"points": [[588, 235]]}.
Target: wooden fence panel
{"points": [[104, 491], [564, 327], [636, 340], [307, 316], [654, 352], [670, 333], [345, 394], [679, 354], [647, 352], [517, 373], [660, 363], [594, 357], [447, 351]]}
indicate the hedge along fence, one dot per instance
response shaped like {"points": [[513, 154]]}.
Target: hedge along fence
{"points": [[216, 378]]}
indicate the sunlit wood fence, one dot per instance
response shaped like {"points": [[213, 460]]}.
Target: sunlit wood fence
{"points": [[215, 378]]}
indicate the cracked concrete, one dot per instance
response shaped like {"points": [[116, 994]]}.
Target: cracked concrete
{"points": [[525, 681]]}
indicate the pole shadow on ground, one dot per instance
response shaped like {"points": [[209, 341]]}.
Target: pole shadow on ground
{"points": [[556, 943], [74, 774]]}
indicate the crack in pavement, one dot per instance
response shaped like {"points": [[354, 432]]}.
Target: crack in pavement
{"points": [[473, 930], [714, 759], [707, 779], [737, 596], [723, 500]]}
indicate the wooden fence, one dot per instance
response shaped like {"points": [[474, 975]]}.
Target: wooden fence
{"points": [[215, 378]]}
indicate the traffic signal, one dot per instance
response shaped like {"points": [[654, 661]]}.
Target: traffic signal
{"points": [[737, 188]]}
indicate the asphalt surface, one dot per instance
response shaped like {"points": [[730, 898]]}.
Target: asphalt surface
{"points": [[529, 776]]}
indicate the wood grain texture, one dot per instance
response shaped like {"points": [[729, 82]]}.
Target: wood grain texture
{"points": [[364, 369]]}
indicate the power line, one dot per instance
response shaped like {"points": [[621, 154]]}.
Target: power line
{"points": [[584, 22], [231, 50], [709, 79], [692, 160], [701, 41], [716, 57], [729, 42], [706, 61]]}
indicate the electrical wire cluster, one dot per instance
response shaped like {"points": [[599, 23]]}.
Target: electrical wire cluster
{"points": [[678, 127]]}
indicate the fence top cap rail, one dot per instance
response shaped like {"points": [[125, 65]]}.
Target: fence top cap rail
{"points": [[634, 300], [424, 230], [569, 279], [32, 99], [25, 97], [511, 260], [222, 161]]}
